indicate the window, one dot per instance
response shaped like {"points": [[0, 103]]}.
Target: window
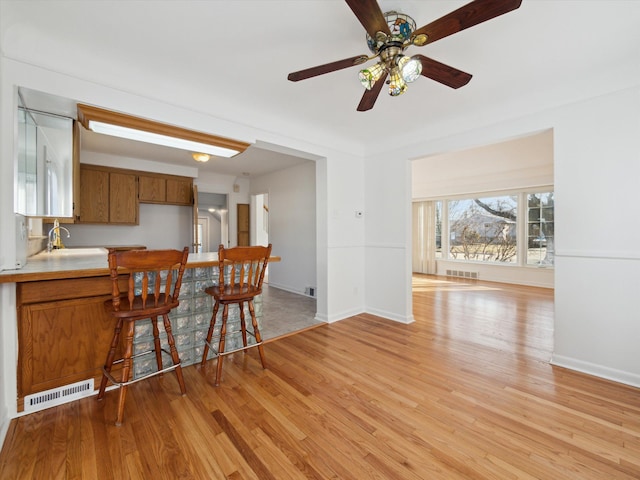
{"points": [[540, 229], [484, 229], [515, 229], [438, 207]]}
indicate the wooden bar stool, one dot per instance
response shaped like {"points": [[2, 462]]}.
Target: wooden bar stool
{"points": [[154, 294], [245, 268]]}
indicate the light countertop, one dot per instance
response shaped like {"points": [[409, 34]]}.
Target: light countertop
{"points": [[51, 266]]}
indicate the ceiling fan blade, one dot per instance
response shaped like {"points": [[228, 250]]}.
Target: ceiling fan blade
{"points": [[370, 16], [327, 68], [464, 17], [449, 76], [370, 96]]}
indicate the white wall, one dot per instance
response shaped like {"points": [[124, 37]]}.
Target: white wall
{"points": [[160, 226], [514, 164], [292, 225], [598, 236], [596, 177], [260, 218]]}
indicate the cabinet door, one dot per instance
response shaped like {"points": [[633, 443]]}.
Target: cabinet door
{"points": [[94, 196], [123, 198], [62, 342], [152, 189], [179, 191]]}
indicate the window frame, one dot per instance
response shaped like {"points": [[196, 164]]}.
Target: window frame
{"points": [[522, 239]]}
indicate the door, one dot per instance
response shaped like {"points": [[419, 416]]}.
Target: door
{"points": [[243, 224]]}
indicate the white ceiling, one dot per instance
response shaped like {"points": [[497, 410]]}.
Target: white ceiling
{"points": [[230, 59]]}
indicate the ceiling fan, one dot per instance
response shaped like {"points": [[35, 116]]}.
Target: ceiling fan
{"points": [[390, 34]]}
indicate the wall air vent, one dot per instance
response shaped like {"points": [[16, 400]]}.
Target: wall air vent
{"points": [[463, 274], [57, 396]]}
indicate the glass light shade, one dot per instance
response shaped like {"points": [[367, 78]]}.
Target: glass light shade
{"points": [[201, 157], [369, 76], [397, 85], [410, 68], [401, 27]]}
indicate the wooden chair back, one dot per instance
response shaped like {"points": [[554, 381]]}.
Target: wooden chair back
{"points": [[159, 272], [242, 270]]}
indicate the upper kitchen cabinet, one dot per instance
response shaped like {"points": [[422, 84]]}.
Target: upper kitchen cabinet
{"points": [[108, 196], [180, 191], [46, 159], [165, 189]]}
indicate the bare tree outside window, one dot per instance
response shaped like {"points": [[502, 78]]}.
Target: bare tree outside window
{"points": [[484, 229], [540, 229]]}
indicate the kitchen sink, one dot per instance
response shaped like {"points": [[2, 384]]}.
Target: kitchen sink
{"points": [[72, 252]]}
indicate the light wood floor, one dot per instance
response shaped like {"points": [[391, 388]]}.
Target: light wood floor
{"points": [[465, 392]]}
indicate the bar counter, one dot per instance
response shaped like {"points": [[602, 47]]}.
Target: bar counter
{"points": [[56, 266], [64, 331]]}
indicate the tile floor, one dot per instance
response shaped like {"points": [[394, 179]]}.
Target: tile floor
{"points": [[284, 313]]}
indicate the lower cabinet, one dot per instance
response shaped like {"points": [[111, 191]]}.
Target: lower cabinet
{"points": [[64, 332]]}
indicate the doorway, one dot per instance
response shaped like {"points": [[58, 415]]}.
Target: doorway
{"points": [[212, 221]]}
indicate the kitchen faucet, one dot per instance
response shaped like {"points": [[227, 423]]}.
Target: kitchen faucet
{"points": [[55, 230]]}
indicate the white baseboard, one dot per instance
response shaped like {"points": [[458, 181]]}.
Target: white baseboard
{"points": [[619, 376], [336, 317], [391, 316], [4, 428], [287, 289]]}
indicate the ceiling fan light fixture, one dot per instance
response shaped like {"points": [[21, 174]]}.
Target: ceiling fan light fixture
{"points": [[397, 85], [410, 68], [369, 76]]}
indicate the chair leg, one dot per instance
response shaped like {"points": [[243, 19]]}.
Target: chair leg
{"points": [[223, 333], [256, 333], [156, 342], [126, 369], [212, 324], [174, 353], [108, 363], [243, 325]]}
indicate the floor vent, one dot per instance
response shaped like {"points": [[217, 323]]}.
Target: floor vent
{"points": [[463, 274], [58, 396]]}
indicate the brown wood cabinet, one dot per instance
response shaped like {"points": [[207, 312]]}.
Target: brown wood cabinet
{"points": [[94, 195], [64, 332], [123, 198], [113, 195], [152, 189], [180, 191], [165, 189], [108, 196]]}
